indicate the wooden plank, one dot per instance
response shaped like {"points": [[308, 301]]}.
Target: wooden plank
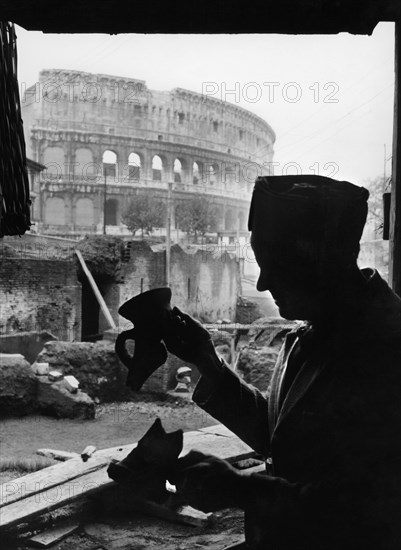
{"points": [[59, 485], [207, 440], [218, 441], [239, 326], [96, 291], [45, 479], [45, 501], [51, 536], [62, 456]]}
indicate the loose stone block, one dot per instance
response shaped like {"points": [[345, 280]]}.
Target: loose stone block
{"points": [[55, 376]]}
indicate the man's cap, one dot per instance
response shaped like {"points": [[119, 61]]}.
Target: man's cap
{"points": [[315, 208]]}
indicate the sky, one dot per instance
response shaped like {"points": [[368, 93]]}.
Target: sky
{"points": [[328, 98]]}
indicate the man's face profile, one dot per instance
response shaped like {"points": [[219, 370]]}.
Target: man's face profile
{"points": [[291, 278], [305, 236]]}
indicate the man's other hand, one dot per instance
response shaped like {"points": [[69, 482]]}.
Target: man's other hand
{"points": [[208, 483]]}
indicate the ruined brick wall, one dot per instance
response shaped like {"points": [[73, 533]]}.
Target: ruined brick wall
{"points": [[143, 271], [38, 294], [204, 286]]}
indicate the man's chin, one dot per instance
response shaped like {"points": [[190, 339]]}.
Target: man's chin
{"points": [[287, 312]]}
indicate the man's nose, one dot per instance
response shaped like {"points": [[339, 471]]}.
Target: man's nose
{"points": [[263, 282]]}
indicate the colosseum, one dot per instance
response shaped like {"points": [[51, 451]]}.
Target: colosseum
{"points": [[103, 139]]}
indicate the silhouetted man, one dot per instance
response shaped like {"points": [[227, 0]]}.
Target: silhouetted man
{"points": [[332, 421]]}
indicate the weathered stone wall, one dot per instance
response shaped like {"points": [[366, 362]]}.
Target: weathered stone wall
{"points": [[28, 344], [203, 286], [38, 294]]}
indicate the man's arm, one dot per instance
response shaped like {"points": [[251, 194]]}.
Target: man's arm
{"points": [[237, 405], [220, 392]]}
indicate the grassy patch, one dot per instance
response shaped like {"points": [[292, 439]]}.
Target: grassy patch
{"points": [[25, 464]]}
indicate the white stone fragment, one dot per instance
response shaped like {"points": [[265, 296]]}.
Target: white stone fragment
{"points": [[71, 383]]}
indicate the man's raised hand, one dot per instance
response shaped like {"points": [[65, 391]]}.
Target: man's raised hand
{"points": [[186, 338]]}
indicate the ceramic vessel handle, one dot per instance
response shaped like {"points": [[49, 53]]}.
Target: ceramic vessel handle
{"points": [[121, 349]]}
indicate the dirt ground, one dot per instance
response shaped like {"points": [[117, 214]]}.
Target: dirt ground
{"points": [[114, 424], [140, 532], [117, 424]]}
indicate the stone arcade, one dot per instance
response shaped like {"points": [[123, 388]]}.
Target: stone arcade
{"points": [[100, 134]]}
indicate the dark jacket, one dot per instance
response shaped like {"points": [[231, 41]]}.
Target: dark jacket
{"points": [[334, 436]]}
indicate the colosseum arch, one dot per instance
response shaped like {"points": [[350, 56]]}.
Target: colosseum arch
{"points": [[229, 220], [157, 168], [111, 212], [134, 166], [55, 211], [213, 173], [84, 212], [197, 171], [177, 168], [230, 174], [84, 165], [109, 160], [180, 115], [53, 159], [242, 220]]}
